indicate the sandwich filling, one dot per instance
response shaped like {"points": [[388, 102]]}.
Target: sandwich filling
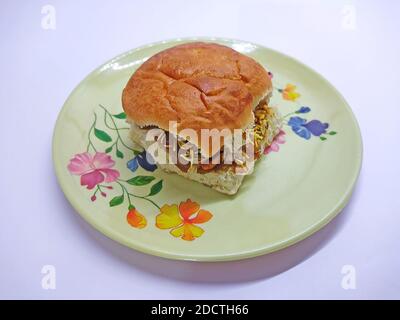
{"points": [[262, 131]]}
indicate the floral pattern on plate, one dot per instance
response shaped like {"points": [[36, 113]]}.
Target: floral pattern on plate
{"points": [[96, 169]]}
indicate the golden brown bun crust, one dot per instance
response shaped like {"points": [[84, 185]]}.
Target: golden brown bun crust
{"points": [[199, 85]]}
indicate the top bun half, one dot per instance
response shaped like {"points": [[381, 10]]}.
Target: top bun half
{"points": [[199, 85]]}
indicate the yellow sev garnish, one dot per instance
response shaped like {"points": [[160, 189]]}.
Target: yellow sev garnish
{"points": [[262, 113]]}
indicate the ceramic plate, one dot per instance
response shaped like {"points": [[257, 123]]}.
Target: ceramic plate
{"points": [[306, 178]]}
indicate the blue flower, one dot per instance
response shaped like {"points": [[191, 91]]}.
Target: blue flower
{"points": [[297, 126], [144, 160], [303, 110], [305, 129], [316, 127]]}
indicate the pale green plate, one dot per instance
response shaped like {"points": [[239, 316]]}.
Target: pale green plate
{"points": [[293, 192]]}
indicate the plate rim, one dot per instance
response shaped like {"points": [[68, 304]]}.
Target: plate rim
{"points": [[109, 233]]}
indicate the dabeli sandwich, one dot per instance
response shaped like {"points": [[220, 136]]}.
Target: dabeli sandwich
{"points": [[201, 110]]}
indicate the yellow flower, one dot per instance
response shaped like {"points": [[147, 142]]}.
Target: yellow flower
{"points": [[180, 220], [289, 93]]}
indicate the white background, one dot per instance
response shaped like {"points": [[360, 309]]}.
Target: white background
{"points": [[39, 68]]}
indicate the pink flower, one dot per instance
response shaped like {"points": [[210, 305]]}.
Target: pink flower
{"points": [[93, 169], [279, 139]]}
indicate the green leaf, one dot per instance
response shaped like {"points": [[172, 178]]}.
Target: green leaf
{"points": [[332, 133], [119, 154], [156, 188], [108, 150], [322, 138], [117, 200], [101, 135], [131, 207], [121, 115], [140, 180]]}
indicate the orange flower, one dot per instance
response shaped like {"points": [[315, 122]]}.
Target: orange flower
{"points": [[182, 220], [289, 93], [135, 218]]}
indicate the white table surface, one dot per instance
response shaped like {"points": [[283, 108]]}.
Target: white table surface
{"points": [[40, 67]]}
